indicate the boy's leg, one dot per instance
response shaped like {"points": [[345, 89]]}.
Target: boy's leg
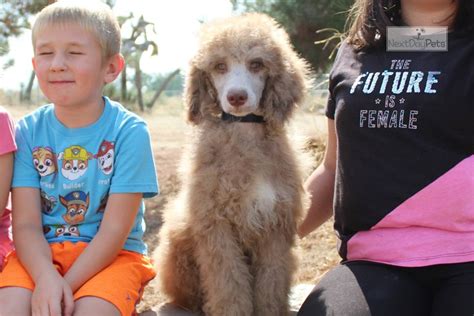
{"points": [[89, 305], [16, 288], [363, 289], [455, 295], [117, 289], [15, 301]]}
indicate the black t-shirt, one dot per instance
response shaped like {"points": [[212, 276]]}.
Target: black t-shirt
{"points": [[403, 121]]}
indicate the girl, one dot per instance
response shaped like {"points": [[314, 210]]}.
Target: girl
{"points": [[7, 147], [399, 167]]}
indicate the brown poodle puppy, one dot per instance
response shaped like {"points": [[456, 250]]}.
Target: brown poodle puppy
{"points": [[225, 247]]}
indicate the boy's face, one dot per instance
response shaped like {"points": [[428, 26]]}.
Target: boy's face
{"points": [[69, 66]]}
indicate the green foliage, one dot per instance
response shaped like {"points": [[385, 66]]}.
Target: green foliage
{"points": [[304, 20], [112, 90], [174, 87], [14, 19]]}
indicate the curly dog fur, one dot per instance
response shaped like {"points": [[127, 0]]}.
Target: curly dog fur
{"points": [[225, 247]]}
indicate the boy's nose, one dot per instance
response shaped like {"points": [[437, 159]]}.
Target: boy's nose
{"points": [[58, 64]]}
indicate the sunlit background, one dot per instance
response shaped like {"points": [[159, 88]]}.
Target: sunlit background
{"points": [[176, 24]]}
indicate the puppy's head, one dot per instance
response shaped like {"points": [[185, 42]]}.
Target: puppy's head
{"points": [[245, 65]]}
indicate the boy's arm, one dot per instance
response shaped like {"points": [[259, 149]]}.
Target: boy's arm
{"points": [[119, 217], [35, 255], [31, 246], [6, 168]]}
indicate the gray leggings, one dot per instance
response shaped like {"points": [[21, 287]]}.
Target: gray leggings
{"points": [[364, 288]]}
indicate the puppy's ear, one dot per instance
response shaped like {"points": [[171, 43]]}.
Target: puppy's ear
{"points": [[286, 87], [195, 92]]}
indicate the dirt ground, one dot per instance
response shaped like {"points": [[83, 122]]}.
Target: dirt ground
{"points": [[317, 252]]}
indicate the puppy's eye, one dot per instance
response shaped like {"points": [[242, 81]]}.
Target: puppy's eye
{"points": [[256, 65], [221, 67]]}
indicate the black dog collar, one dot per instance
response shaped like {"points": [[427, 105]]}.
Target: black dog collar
{"points": [[249, 118]]}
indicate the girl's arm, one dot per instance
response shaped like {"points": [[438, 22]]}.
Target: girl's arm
{"points": [[118, 220], [6, 172], [320, 185]]}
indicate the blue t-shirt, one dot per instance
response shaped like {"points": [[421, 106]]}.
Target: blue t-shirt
{"points": [[76, 169]]}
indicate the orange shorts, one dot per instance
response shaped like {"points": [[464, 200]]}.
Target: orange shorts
{"points": [[121, 283]]}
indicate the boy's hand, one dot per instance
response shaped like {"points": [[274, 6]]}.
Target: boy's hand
{"points": [[52, 296]]}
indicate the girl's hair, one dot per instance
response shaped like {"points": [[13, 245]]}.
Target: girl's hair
{"points": [[368, 20], [93, 16]]}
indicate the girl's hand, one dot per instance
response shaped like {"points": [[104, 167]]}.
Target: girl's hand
{"points": [[52, 296]]}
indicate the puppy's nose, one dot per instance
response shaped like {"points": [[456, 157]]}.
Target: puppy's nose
{"points": [[237, 97]]}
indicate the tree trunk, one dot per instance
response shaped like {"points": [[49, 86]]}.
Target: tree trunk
{"points": [[123, 85], [29, 87], [162, 88], [138, 84]]}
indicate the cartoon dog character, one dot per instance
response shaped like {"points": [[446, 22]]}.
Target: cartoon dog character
{"points": [[67, 230], [46, 229], [44, 160], [76, 203], [47, 202], [75, 160], [105, 157]]}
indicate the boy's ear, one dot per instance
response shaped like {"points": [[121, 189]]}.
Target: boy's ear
{"points": [[114, 66]]}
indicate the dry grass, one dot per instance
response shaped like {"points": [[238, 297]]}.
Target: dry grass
{"points": [[166, 122]]}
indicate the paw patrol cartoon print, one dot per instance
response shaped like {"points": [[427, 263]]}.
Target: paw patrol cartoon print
{"points": [[46, 229], [44, 160], [76, 203], [48, 203], [105, 157], [75, 160], [67, 230]]}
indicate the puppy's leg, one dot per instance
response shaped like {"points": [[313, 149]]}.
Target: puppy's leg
{"points": [[225, 277], [273, 265], [177, 269]]}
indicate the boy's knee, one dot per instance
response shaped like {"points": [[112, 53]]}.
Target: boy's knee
{"points": [[89, 305], [15, 301]]}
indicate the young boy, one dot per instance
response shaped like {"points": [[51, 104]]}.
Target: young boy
{"points": [[83, 165]]}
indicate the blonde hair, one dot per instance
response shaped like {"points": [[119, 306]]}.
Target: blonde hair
{"points": [[91, 15]]}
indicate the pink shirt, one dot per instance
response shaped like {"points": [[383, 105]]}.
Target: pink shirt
{"points": [[7, 145], [434, 226]]}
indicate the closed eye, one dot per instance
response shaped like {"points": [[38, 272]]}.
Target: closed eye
{"points": [[76, 53]]}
